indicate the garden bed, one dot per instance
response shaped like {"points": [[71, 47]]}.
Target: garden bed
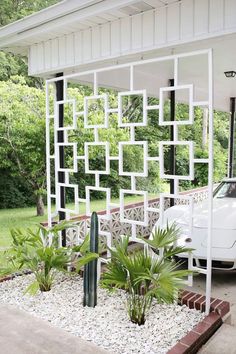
{"points": [[107, 325]]}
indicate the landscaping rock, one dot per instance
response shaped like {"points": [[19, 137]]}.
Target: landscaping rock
{"points": [[107, 325]]}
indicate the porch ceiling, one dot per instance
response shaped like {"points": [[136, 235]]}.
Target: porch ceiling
{"points": [[191, 71]]}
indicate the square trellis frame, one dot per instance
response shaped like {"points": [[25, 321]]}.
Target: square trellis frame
{"points": [[75, 164], [122, 207], [164, 196], [103, 97], [190, 200], [162, 102], [144, 144], [191, 159], [107, 160], [70, 127], [108, 200], [120, 113], [76, 197]]}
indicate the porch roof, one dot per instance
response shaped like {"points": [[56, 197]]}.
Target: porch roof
{"points": [[50, 38], [69, 16]]}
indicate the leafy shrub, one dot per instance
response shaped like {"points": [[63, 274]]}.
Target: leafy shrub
{"points": [[145, 276], [39, 252], [13, 191]]}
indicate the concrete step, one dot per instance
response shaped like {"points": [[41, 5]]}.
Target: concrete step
{"points": [[21, 333], [222, 342]]}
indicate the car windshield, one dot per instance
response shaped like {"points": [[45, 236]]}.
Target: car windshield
{"points": [[226, 190]]}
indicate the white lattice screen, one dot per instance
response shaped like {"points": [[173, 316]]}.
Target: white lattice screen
{"points": [[102, 100]]}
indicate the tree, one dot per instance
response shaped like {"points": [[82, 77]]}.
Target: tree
{"points": [[22, 135], [16, 159], [13, 10]]}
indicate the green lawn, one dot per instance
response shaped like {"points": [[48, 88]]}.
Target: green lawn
{"points": [[26, 217]]}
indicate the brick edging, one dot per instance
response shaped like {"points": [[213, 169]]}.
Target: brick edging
{"points": [[12, 276], [200, 334], [198, 302]]}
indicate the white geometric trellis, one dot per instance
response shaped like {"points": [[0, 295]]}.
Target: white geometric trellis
{"points": [[142, 93], [99, 105], [122, 209], [107, 191], [190, 104], [90, 100], [190, 145], [76, 204], [74, 118], [107, 161], [75, 164], [144, 145], [186, 198]]}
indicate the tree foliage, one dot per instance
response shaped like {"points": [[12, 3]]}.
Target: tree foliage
{"points": [[13, 10], [22, 133]]}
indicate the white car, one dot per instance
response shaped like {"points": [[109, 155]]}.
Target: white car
{"points": [[224, 227]]}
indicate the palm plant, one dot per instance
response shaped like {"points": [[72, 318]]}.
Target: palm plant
{"points": [[166, 239], [39, 252], [145, 276]]}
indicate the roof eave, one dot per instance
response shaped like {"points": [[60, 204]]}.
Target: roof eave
{"points": [[52, 18], [45, 15]]}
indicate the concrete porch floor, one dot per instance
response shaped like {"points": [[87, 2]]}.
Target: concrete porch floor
{"points": [[20, 333], [224, 288]]}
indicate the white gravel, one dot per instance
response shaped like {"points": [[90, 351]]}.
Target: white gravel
{"points": [[107, 325]]}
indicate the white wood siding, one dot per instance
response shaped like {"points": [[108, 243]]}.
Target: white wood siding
{"points": [[186, 21], [200, 17], [186, 13]]}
